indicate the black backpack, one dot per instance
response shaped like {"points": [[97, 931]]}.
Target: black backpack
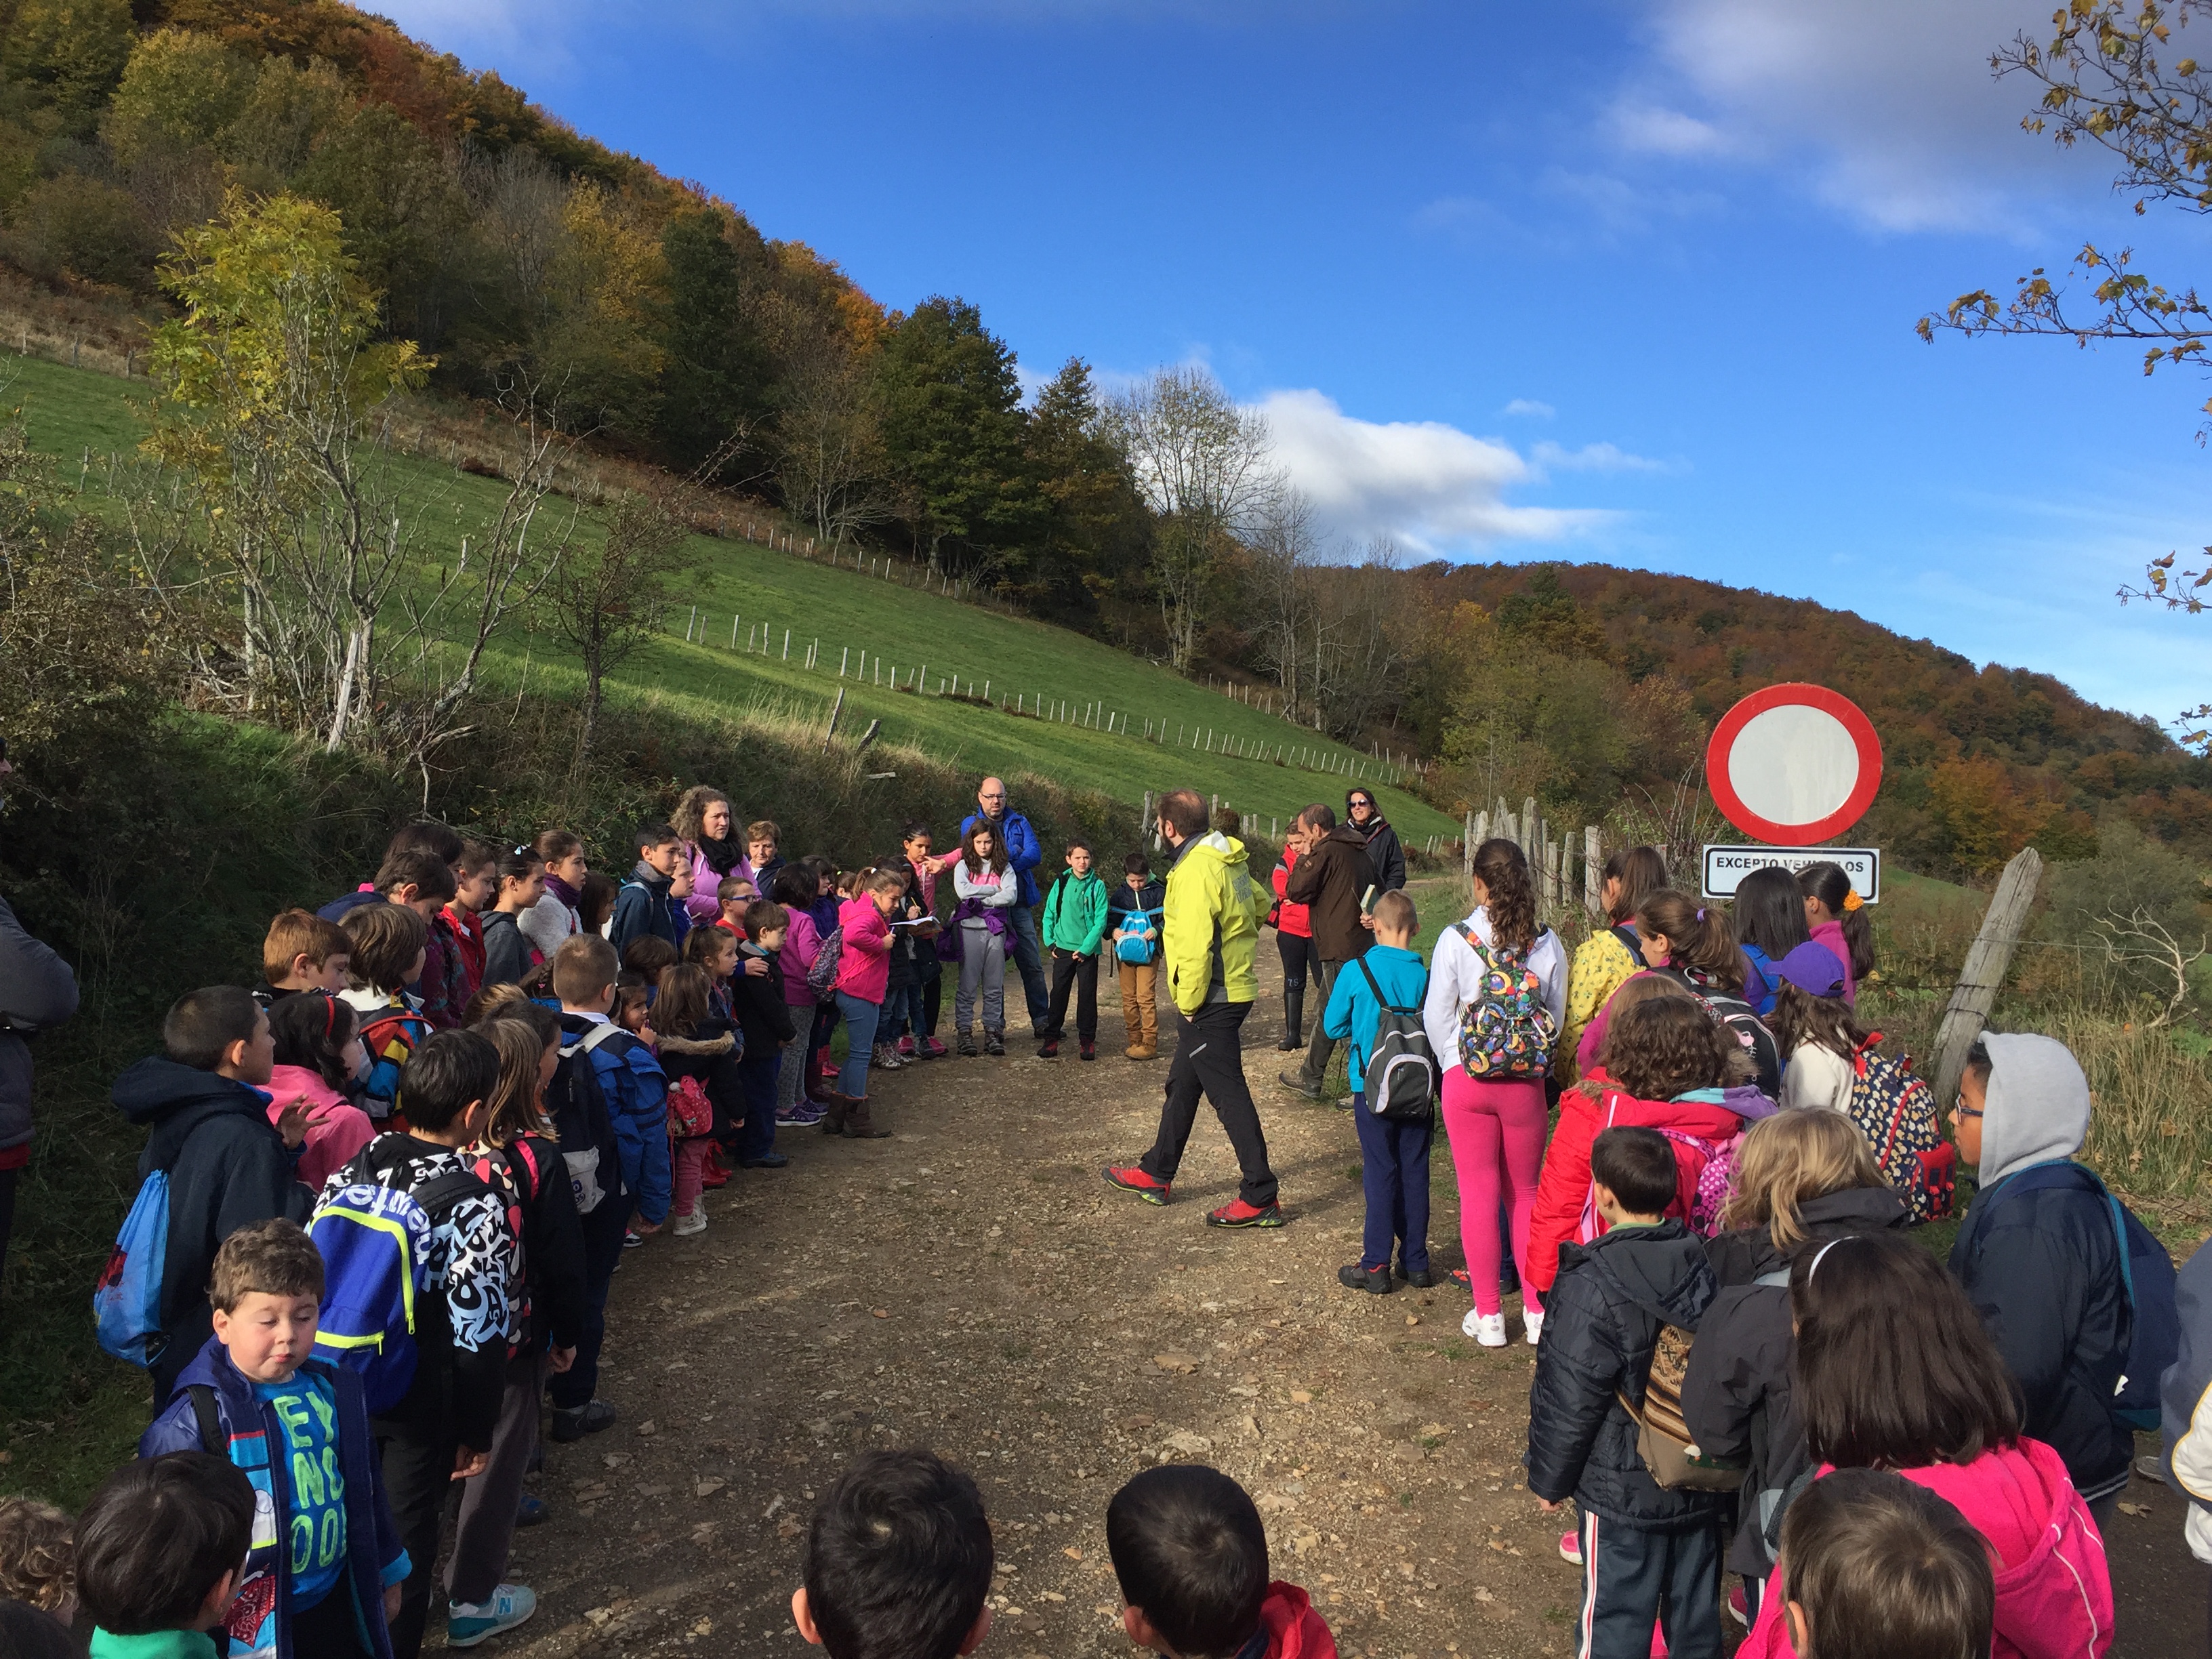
{"points": [[579, 1107], [1402, 1073]]}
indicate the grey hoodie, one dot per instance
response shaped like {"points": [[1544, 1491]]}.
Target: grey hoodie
{"points": [[2037, 1108]]}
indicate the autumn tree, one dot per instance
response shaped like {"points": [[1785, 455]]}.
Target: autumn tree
{"points": [[2113, 74], [1095, 534], [606, 600], [716, 374]]}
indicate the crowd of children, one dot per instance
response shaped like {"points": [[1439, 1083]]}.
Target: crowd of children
{"points": [[474, 1082]]}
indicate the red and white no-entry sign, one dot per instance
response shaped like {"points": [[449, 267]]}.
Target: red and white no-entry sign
{"points": [[1794, 765]]}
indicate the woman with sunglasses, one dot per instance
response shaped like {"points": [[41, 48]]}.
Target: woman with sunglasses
{"points": [[1383, 851]]}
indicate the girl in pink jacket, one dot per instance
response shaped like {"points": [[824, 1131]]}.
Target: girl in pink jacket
{"points": [[318, 1057], [1894, 1371], [863, 975]]}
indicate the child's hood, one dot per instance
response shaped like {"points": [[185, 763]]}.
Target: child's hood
{"points": [[1294, 1630], [177, 1098], [714, 1039], [1708, 1120], [1662, 1269], [647, 875], [2038, 1108], [286, 1081]]}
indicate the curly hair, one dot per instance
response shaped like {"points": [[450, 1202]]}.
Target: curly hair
{"points": [[1502, 869], [1665, 1046], [37, 1564], [690, 817]]}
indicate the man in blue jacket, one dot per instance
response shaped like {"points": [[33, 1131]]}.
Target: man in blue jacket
{"points": [[1023, 853]]}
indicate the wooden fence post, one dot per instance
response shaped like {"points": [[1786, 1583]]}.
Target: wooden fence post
{"points": [[1593, 874], [1467, 848], [1987, 961], [835, 709]]}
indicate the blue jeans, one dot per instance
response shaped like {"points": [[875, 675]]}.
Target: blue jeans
{"points": [[1394, 1169], [756, 1077], [1022, 947], [860, 1036]]}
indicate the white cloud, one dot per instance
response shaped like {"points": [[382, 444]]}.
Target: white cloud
{"points": [[1430, 486], [1592, 457], [1532, 408], [1886, 108]]}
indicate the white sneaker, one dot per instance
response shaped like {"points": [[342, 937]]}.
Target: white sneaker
{"points": [[1488, 1330], [687, 1225], [1533, 1322]]}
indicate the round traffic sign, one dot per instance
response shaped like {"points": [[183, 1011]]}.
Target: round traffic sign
{"points": [[1794, 765]]}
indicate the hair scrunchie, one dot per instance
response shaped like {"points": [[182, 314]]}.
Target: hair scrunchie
{"points": [[1701, 916], [1852, 901]]}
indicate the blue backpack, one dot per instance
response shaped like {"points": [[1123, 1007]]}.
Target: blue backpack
{"points": [[373, 1237], [2147, 1279], [126, 1303], [1139, 951]]}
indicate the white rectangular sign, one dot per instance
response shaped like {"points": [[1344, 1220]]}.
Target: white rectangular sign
{"points": [[1727, 866]]}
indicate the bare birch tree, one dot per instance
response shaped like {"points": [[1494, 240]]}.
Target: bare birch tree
{"points": [[1201, 463]]}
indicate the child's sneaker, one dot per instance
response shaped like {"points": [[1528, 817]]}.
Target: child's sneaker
{"points": [[468, 1623], [1532, 1321], [1131, 1179], [905, 1045], [806, 1115], [1739, 1606], [1570, 1549], [884, 1058], [1048, 1049], [687, 1225], [933, 1049], [1090, 1051], [631, 1241], [1238, 1214], [573, 1423], [1375, 1281], [1422, 1278], [1488, 1330]]}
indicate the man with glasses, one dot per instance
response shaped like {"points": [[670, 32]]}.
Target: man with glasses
{"points": [[1023, 853]]}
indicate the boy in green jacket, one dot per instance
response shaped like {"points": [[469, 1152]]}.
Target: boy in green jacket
{"points": [[1074, 923]]}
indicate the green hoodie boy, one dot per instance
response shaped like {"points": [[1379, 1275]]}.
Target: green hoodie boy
{"points": [[1075, 913]]}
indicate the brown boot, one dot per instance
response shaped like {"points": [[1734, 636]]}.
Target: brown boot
{"points": [[834, 1111], [1144, 1051], [859, 1126]]}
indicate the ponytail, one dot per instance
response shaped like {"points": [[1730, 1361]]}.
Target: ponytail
{"points": [[1698, 936], [1830, 884], [1640, 871], [1502, 869]]}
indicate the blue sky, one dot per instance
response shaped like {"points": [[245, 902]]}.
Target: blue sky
{"points": [[1605, 280]]}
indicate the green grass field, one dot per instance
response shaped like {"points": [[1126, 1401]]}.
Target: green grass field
{"points": [[871, 627]]}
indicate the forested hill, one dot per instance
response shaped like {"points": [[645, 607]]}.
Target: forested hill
{"points": [[1979, 760]]}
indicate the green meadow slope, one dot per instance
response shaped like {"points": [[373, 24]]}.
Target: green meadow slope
{"points": [[872, 627]]}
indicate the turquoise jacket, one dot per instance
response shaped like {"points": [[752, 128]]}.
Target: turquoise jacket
{"points": [[1352, 1010], [1075, 914]]}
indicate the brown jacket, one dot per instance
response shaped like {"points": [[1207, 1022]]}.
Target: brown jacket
{"points": [[1330, 881]]}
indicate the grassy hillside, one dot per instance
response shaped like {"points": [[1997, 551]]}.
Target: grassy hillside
{"points": [[873, 627]]}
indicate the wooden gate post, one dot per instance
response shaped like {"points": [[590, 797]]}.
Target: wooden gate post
{"points": [[1987, 962]]}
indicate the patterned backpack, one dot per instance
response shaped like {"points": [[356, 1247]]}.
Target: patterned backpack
{"points": [[1896, 1112], [690, 1112], [1505, 1029], [1716, 1184]]}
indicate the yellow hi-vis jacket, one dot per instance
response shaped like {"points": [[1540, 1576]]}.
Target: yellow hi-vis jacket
{"points": [[1211, 924]]}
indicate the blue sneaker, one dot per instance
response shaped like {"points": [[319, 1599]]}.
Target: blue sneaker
{"points": [[468, 1623], [530, 1511]]}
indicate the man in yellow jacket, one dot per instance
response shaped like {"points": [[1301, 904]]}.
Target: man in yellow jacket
{"points": [[1210, 929]]}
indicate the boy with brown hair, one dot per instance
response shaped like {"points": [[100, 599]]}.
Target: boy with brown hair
{"points": [[735, 894], [302, 952], [1876, 1566], [329, 1570], [608, 1100], [391, 942]]}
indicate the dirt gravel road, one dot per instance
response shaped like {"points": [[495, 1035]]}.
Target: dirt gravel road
{"points": [[971, 1286]]}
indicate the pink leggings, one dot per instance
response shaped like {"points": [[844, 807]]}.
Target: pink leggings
{"points": [[691, 1172], [1496, 1133]]}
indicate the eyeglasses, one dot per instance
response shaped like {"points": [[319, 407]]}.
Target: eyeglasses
{"points": [[1960, 1109]]}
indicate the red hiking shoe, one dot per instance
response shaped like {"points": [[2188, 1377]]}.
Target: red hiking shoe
{"points": [[1131, 1179], [712, 1174], [1241, 1214]]}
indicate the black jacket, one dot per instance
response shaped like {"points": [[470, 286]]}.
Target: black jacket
{"points": [[36, 989], [1736, 1396], [1383, 851], [1601, 1321], [710, 1054], [2043, 1270], [763, 1014], [228, 1168], [506, 953], [552, 1243]]}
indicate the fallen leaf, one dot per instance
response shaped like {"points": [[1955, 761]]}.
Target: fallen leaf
{"points": [[1073, 1553], [647, 1427], [2135, 1509], [881, 1312], [1482, 1594], [1175, 1362], [1302, 1396]]}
